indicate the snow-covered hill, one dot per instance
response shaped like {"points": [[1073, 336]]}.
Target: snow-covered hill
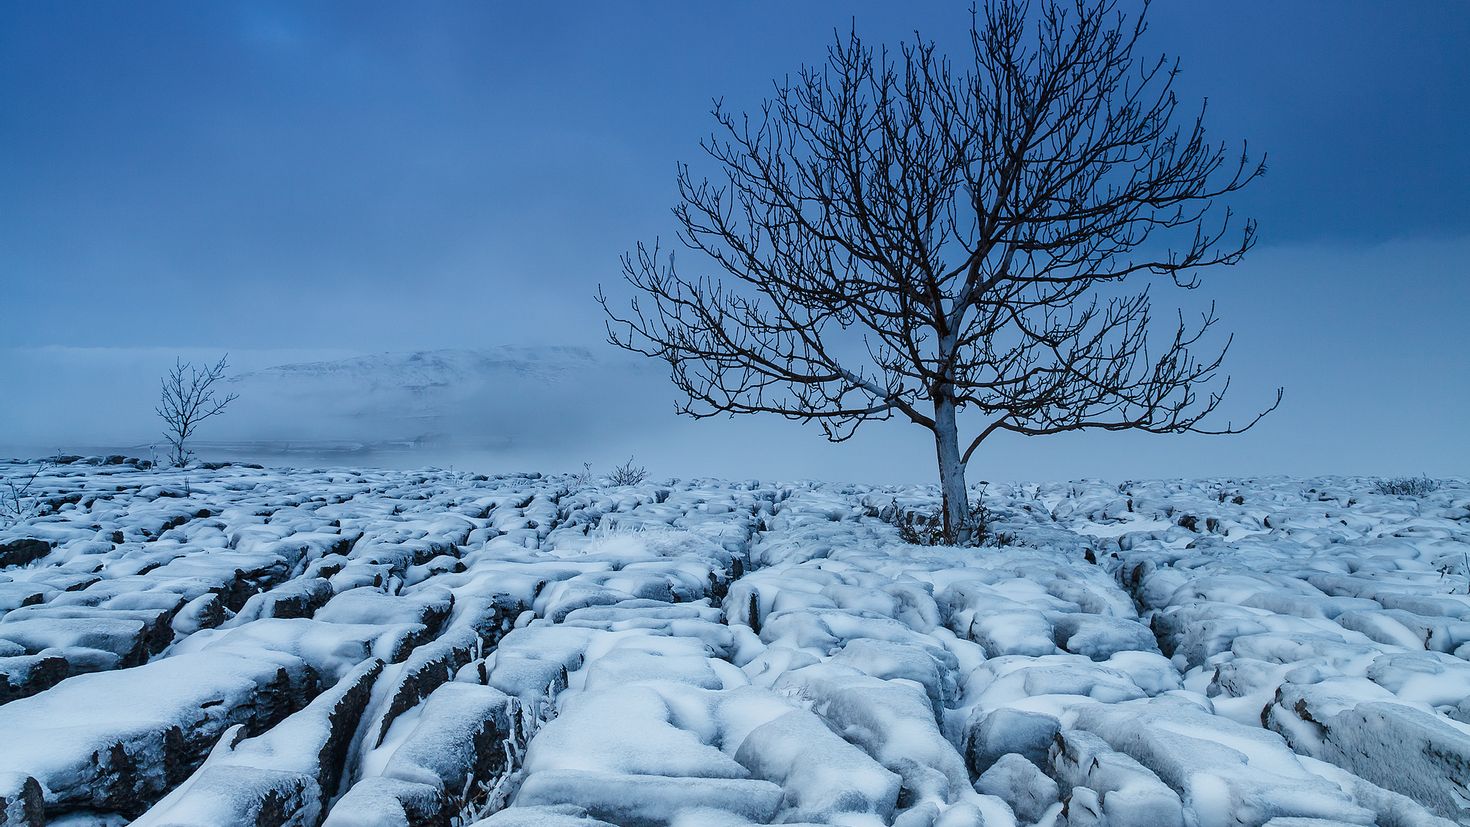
{"points": [[500, 405], [489, 409], [422, 382], [464, 399]]}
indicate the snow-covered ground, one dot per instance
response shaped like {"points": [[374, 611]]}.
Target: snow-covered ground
{"points": [[352, 647]]}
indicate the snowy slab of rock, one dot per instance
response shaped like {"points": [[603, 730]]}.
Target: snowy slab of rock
{"points": [[365, 648]]}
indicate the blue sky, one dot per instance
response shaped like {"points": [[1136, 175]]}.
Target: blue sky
{"points": [[370, 176]]}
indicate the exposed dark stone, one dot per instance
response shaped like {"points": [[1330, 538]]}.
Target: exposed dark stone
{"points": [[20, 801], [424, 671], [1392, 745], [388, 802], [298, 598], [203, 612], [20, 552], [25, 675], [55, 503], [242, 583], [129, 767], [261, 786], [74, 582], [458, 737], [15, 595], [342, 724], [1009, 730]]}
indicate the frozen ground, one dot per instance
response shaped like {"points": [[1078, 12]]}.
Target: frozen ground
{"points": [[246, 646]]}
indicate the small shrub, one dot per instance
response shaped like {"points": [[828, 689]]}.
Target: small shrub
{"points": [[1407, 486], [17, 502], [926, 528], [1447, 570], [917, 531], [627, 474]]}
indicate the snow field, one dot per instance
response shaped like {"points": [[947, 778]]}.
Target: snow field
{"points": [[353, 647]]}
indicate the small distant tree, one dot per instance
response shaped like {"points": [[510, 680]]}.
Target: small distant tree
{"points": [[189, 398], [628, 474], [909, 236]]}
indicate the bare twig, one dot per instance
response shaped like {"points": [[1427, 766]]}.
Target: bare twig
{"points": [[483, 797], [17, 503]]}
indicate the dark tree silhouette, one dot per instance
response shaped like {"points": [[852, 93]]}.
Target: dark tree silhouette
{"points": [[188, 398], [907, 235]]}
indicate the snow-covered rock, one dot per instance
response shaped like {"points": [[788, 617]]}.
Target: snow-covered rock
{"points": [[366, 648]]}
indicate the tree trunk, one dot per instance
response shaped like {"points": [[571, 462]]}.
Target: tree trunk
{"points": [[957, 528]]}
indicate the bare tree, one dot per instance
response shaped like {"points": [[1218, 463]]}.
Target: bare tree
{"points": [[18, 501], [188, 399], [912, 236]]}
